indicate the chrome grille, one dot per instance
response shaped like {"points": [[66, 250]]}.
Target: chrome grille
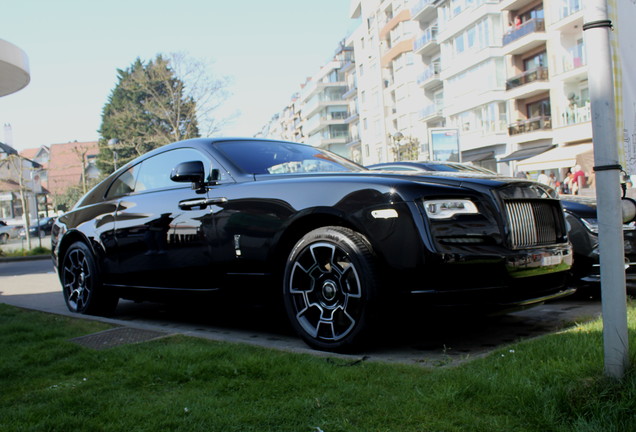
{"points": [[534, 222]]}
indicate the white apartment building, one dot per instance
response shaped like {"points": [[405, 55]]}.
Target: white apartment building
{"points": [[509, 76], [547, 85], [324, 107], [386, 69]]}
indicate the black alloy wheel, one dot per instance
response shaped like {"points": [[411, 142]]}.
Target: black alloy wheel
{"points": [[330, 288], [81, 283]]}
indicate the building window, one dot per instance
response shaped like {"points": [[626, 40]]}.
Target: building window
{"points": [[539, 109], [536, 61]]}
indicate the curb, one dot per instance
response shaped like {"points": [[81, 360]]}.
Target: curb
{"points": [[24, 258]]}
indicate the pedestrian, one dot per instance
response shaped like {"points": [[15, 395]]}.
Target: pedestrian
{"points": [[566, 184], [543, 178], [578, 180]]}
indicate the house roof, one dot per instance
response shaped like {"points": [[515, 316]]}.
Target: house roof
{"points": [[65, 165], [9, 186], [6, 148]]}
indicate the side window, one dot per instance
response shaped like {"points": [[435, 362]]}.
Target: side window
{"points": [[124, 184], [155, 171]]}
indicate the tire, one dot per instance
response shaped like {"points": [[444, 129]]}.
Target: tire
{"points": [[330, 289], [81, 283], [4, 238]]}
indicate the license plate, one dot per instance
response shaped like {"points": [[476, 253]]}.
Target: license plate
{"points": [[551, 260]]}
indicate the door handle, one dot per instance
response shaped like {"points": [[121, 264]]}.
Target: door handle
{"points": [[201, 203]]}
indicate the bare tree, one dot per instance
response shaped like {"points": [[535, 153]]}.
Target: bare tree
{"points": [[14, 167], [200, 85]]}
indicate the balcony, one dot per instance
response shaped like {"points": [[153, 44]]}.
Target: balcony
{"points": [[424, 10], [513, 5], [434, 111], [572, 63], [576, 115], [537, 74], [427, 42], [528, 84], [318, 123], [529, 35], [430, 77], [352, 118], [351, 92], [530, 125], [575, 125]]}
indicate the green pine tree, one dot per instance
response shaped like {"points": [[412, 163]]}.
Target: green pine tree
{"points": [[147, 109]]}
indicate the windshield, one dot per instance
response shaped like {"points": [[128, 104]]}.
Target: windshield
{"points": [[274, 157]]}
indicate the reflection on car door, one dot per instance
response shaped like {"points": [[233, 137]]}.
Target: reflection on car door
{"points": [[161, 244]]}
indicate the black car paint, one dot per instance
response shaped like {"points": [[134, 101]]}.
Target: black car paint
{"points": [[249, 223], [585, 244], [586, 259], [42, 227]]}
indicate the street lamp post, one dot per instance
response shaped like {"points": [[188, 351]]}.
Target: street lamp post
{"points": [[112, 143]]}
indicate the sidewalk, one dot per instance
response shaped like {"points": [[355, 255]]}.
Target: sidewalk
{"points": [[19, 244]]}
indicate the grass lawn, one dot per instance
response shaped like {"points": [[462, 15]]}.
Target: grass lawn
{"points": [[47, 383]]}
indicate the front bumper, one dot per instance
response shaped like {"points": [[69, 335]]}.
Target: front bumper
{"points": [[519, 278]]}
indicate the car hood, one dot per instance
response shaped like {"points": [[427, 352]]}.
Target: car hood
{"points": [[454, 178], [584, 207]]}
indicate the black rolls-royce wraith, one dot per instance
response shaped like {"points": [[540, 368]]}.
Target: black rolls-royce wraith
{"points": [[338, 240]]}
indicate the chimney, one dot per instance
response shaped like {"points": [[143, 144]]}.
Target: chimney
{"points": [[8, 134]]}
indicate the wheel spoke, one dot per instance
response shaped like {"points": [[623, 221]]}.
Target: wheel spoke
{"points": [[325, 289], [77, 280]]}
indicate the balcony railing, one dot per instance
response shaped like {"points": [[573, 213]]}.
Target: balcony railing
{"points": [[429, 35], [433, 110], [432, 71], [571, 63], [340, 115], [530, 76], [531, 26], [420, 5], [575, 115], [530, 125]]}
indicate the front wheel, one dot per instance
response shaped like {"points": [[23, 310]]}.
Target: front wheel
{"points": [[331, 287], [81, 283], [4, 238]]}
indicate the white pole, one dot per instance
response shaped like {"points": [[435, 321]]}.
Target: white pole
{"points": [[612, 257]]}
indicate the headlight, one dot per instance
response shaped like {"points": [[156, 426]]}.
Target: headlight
{"points": [[447, 208], [591, 224]]}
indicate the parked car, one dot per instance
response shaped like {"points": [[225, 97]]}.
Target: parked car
{"points": [[8, 232], [581, 217], [437, 166], [341, 243], [41, 228], [580, 213]]}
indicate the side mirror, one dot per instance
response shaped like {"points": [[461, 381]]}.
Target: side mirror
{"points": [[189, 172]]}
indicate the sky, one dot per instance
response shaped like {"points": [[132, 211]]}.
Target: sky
{"points": [[266, 48]]}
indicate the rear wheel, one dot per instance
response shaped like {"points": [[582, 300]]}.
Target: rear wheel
{"points": [[331, 287], [81, 283]]}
